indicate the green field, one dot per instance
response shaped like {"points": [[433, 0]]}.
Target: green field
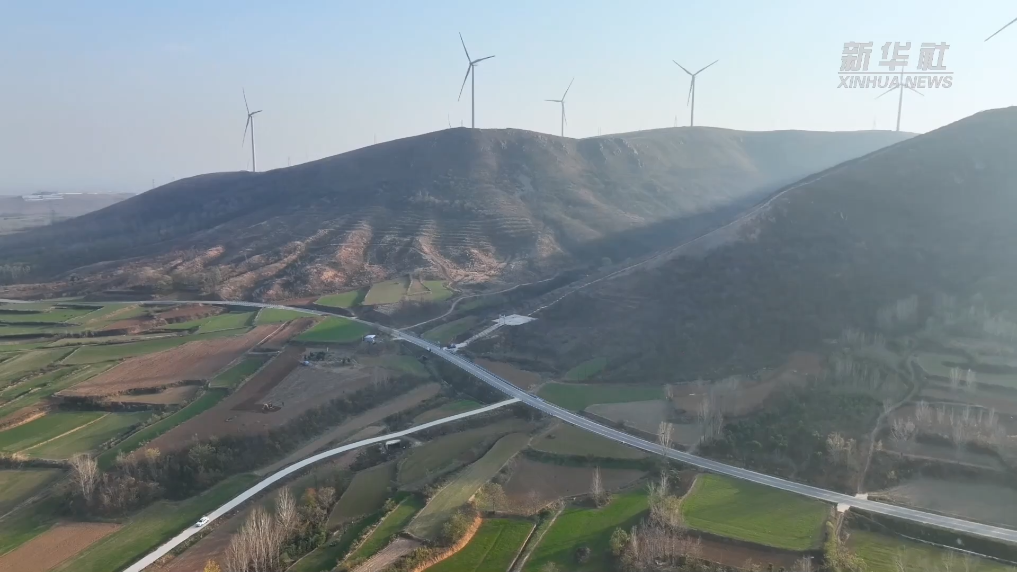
{"points": [[44, 428], [36, 389], [139, 438], [335, 330], [31, 383], [879, 551], [55, 315], [570, 440], [91, 437], [101, 353], [277, 316], [365, 495], [27, 522], [934, 364], [11, 348], [452, 450], [230, 321], [152, 526], [350, 299], [99, 313], [406, 364], [577, 396], [445, 333], [587, 369], [391, 525], [327, 557], [235, 375], [754, 513], [439, 291], [451, 408], [579, 526], [388, 292], [18, 366], [428, 523], [492, 549], [16, 485]]}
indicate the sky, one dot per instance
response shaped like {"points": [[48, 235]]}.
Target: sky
{"points": [[120, 95]]}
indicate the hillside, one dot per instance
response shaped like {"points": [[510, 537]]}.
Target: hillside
{"points": [[927, 217], [17, 214], [464, 205]]}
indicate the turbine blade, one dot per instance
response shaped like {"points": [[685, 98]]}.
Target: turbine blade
{"points": [[887, 91], [916, 91], [475, 62], [683, 67], [700, 71], [553, 100], [1001, 29], [242, 90], [256, 112], [464, 47], [567, 90], [469, 68], [246, 125]]}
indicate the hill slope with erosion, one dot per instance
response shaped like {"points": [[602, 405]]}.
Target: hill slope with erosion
{"points": [[931, 216], [460, 204]]}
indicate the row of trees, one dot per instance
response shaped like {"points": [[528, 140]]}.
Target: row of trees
{"points": [[960, 425]]}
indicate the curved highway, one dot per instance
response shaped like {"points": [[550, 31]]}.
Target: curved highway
{"points": [[945, 522]]}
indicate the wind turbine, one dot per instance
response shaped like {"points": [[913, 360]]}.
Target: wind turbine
{"points": [[900, 99], [473, 84], [692, 91], [1001, 29], [250, 123], [562, 102]]}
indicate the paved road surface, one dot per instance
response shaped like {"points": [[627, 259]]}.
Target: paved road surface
{"points": [[949, 523]]}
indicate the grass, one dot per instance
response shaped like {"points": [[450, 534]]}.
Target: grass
{"points": [[571, 440], [366, 494], [277, 316], [99, 313], [27, 522], [431, 458], [17, 485], [44, 428], [879, 552], [428, 523], [579, 526], [45, 385], [152, 526], [237, 374], [17, 367], [391, 525], [450, 408], [335, 330], [91, 437], [492, 549], [350, 299], [578, 396], [438, 290], [203, 403], [445, 333], [754, 513], [55, 315], [406, 364], [388, 292], [327, 557], [110, 352], [5, 348], [587, 369], [229, 321]]}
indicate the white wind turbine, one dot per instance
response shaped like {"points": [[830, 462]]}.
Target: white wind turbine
{"points": [[473, 84], [692, 90], [900, 99], [1001, 29], [562, 102], [250, 123]]}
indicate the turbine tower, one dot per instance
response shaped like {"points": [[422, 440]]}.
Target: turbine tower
{"points": [[473, 84], [562, 102], [1001, 29], [692, 91], [250, 123], [900, 98]]}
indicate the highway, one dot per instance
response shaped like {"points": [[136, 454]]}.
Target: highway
{"points": [[945, 522], [190, 531]]}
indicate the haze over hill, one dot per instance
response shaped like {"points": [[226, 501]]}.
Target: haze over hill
{"points": [[928, 217], [18, 213], [464, 205]]}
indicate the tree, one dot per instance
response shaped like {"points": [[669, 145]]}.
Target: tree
{"points": [[212, 566], [285, 513], [583, 554], [597, 489], [85, 473], [619, 540]]}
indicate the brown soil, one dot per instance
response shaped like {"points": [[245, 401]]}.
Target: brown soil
{"points": [[278, 340], [534, 484], [737, 555], [517, 377], [168, 396], [130, 325], [46, 551], [320, 384], [22, 416], [397, 549], [198, 360]]}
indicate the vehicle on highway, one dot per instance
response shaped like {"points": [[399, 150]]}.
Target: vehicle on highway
{"points": [[202, 522]]}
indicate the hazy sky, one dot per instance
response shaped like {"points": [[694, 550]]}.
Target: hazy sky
{"points": [[111, 95]]}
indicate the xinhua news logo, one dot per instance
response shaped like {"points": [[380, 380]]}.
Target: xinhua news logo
{"points": [[930, 72]]}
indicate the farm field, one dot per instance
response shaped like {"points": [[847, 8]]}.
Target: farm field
{"points": [[518, 377], [110, 352], [439, 292], [90, 437], [100, 313], [237, 374], [970, 500], [49, 549], [946, 453], [192, 361], [534, 484], [278, 340], [334, 330], [365, 495], [229, 321], [577, 396], [307, 387], [645, 415], [43, 386], [879, 551], [17, 485], [492, 549], [451, 408], [445, 333], [453, 450], [592, 527], [276, 316], [176, 395], [569, 440], [326, 557], [391, 525], [936, 364], [350, 299], [14, 368], [428, 522], [400, 363], [587, 369], [388, 292], [44, 428], [54, 315], [754, 513]]}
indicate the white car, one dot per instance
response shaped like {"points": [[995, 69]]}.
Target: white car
{"points": [[202, 522]]}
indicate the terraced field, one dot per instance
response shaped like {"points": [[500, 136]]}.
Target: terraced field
{"points": [[493, 548], [365, 495], [43, 429], [335, 330], [90, 437]]}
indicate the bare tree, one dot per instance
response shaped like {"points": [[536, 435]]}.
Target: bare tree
{"points": [[923, 413], [970, 383], [955, 378], [237, 556], [285, 512], [326, 497], [85, 472], [597, 488], [803, 564], [902, 429]]}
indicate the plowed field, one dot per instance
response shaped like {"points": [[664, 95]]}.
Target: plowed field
{"points": [[46, 551]]}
